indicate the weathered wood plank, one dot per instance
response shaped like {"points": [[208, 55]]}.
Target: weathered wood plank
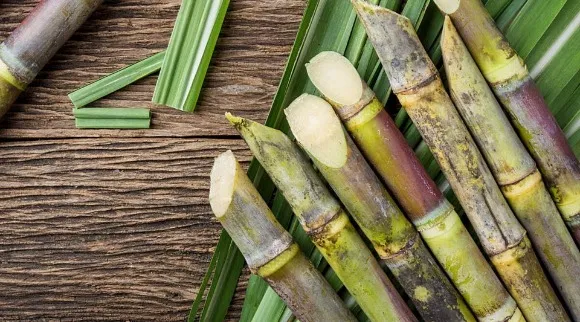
{"points": [[106, 228], [247, 65]]}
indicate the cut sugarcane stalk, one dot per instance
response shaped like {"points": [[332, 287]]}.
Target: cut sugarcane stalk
{"points": [[433, 216], [507, 75], [325, 221], [112, 113], [415, 81], [392, 235], [514, 170], [29, 47], [109, 123], [267, 247]]}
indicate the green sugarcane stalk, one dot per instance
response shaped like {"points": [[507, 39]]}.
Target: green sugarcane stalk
{"points": [[392, 235], [387, 150], [514, 170], [416, 83], [267, 247], [324, 221], [29, 47], [508, 77]]}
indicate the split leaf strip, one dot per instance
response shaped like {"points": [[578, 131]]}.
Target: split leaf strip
{"points": [[112, 113], [189, 53], [108, 123], [117, 80]]}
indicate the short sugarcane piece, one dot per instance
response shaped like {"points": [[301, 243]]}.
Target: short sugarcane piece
{"points": [[29, 47], [267, 247], [324, 221], [376, 213], [415, 81], [514, 170], [508, 77], [386, 149]]}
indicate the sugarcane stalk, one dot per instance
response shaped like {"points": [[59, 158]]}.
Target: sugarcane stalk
{"points": [[386, 149], [415, 81], [508, 77], [514, 169], [29, 47], [268, 248], [324, 221], [394, 238]]}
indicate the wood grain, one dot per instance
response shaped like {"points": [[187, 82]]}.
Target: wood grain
{"points": [[111, 224]]}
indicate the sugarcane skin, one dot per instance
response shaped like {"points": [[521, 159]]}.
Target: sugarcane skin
{"points": [[396, 241], [324, 221], [536, 126], [514, 170]]}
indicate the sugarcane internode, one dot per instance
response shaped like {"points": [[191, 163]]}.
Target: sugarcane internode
{"points": [[385, 147], [267, 247], [325, 221], [392, 235]]}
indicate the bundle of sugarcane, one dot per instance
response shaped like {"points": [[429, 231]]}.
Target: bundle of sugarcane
{"points": [[30, 46], [267, 247], [416, 83], [509, 78], [324, 221], [514, 169], [386, 149], [392, 235]]}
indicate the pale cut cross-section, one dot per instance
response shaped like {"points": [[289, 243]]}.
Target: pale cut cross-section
{"points": [[318, 129], [448, 6], [222, 179], [335, 77]]}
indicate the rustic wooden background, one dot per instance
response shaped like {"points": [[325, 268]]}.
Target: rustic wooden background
{"points": [[115, 224]]}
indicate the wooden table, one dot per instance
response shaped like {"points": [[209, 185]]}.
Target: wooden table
{"points": [[115, 224]]}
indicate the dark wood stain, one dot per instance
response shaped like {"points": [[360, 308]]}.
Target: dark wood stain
{"points": [[116, 225]]}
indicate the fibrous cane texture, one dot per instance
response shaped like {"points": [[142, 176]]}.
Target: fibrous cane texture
{"points": [[268, 248], [508, 77], [29, 47], [386, 149], [514, 170], [392, 235], [416, 83], [324, 221]]}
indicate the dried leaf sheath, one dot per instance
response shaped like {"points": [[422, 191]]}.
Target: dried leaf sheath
{"points": [[267, 247], [387, 150], [514, 170], [392, 235], [29, 47], [536, 126], [416, 83], [324, 220]]}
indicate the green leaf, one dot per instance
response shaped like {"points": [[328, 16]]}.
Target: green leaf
{"points": [[117, 80], [189, 53]]}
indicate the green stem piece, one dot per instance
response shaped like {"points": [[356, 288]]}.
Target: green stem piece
{"points": [[508, 77], [117, 80], [112, 113], [514, 170], [107, 123], [189, 53], [386, 149], [33, 43], [267, 247], [416, 83], [392, 235], [324, 221]]}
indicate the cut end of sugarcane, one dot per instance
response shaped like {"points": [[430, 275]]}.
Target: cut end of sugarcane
{"points": [[448, 6], [335, 77], [222, 178], [318, 129]]}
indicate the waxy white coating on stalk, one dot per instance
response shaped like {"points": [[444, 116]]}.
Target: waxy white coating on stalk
{"points": [[314, 124], [347, 87]]}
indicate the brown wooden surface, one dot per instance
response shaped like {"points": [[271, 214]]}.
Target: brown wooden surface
{"points": [[116, 225]]}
